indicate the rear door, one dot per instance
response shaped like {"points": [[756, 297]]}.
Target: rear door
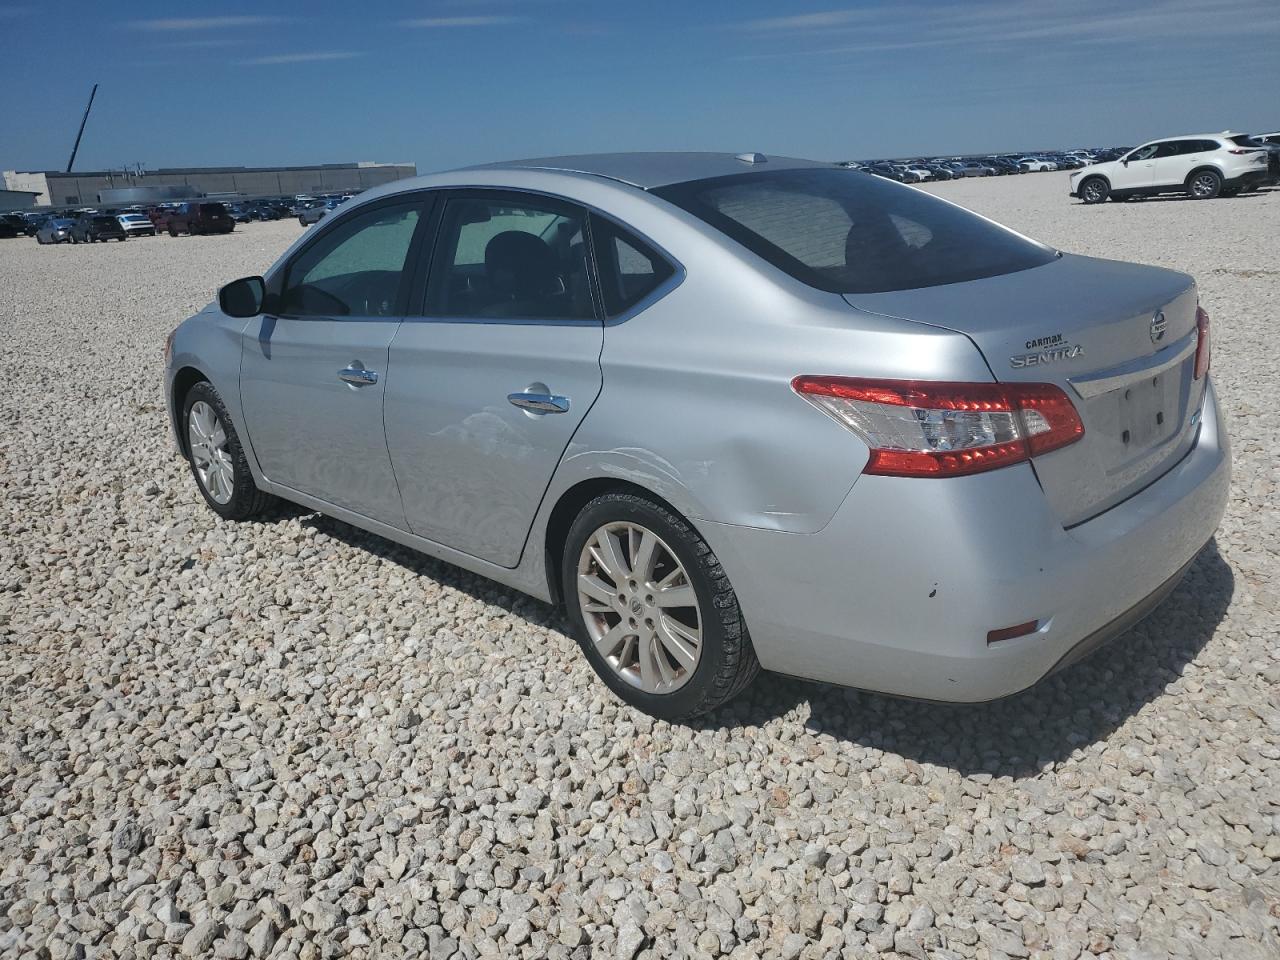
{"points": [[489, 384], [1175, 159], [314, 366]]}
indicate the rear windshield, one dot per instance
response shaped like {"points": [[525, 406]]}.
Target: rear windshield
{"points": [[213, 210], [106, 221], [851, 232]]}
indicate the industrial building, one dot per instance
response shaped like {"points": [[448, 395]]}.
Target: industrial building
{"points": [[55, 189], [11, 200]]}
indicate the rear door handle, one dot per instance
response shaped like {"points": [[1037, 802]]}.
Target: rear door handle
{"points": [[539, 402], [357, 376]]}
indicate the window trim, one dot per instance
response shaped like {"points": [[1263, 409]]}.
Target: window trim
{"points": [[423, 272], [276, 281]]}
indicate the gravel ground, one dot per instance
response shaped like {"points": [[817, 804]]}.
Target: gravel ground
{"points": [[291, 739]]}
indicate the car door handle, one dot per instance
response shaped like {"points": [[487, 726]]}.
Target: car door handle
{"points": [[357, 376], [539, 402]]}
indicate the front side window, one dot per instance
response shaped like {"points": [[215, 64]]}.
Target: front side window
{"points": [[629, 269], [355, 268], [516, 258], [853, 233], [1144, 153]]}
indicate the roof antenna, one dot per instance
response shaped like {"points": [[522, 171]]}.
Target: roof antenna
{"points": [[83, 121], [752, 158]]}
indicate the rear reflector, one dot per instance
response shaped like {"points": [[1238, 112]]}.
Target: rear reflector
{"points": [[927, 428], [1008, 633], [1203, 348]]}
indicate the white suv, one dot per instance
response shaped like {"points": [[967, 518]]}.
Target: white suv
{"points": [[1202, 165]]}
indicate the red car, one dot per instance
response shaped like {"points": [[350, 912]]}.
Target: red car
{"points": [[196, 218]]}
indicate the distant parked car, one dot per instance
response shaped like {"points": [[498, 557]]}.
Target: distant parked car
{"points": [[11, 226], [137, 224], [1203, 166], [317, 210], [199, 218], [55, 230], [92, 227], [971, 168], [159, 215], [1273, 158], [1036, 165]]}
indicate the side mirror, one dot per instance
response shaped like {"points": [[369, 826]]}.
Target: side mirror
{"points": [[1125, 161], [242, 298]]}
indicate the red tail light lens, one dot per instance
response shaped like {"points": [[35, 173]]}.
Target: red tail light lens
{"points": [[925, 428], [1203, 348]]}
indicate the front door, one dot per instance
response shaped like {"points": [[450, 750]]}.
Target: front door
{"points": [[314, 366], [488, 386], [1136, 170]]}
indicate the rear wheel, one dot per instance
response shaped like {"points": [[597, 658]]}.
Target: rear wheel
{"points": [[1094, 190], [217, 459], [1204, 185], [653, 609], [173, 231]]}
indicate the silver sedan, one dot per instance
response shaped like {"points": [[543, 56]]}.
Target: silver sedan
{"points": [[733, 412]]}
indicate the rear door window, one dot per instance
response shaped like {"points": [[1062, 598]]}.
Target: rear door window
{"points": [[629, 268], [850, 232], [513, 256]]}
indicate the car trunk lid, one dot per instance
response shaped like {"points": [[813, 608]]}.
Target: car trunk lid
{"points": [[1119, 338]]}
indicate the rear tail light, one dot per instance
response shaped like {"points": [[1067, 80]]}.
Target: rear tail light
{"points": [[924, 428], [1203, 348]]}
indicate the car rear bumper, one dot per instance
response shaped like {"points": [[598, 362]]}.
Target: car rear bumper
{"points": [[898, 592]]}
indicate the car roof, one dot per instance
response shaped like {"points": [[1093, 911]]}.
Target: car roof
{"points": [[650, 170]]}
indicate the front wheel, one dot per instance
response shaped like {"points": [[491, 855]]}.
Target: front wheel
{"points": [[1204, 185], [217, 459], [653, 609], [1094, 190]]}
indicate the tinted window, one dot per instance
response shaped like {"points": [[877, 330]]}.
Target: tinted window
{"points": [[629, 269], [213, 210], [1144, 153], [355, 268], [853, 233], [519, 258]]}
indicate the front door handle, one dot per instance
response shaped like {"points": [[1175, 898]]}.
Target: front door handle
{"points": [[357, 376], [539, 402]]}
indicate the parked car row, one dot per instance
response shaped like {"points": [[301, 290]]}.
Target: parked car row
{"points": [[191, 217], [1202, 165], [922, 169]]}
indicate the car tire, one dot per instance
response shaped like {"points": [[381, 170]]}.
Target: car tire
{"points": [[217, 459], [173, 232], [1094, 190], [1204, 185], [724, 662]]}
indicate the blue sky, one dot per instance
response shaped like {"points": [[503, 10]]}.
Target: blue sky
{"points": [[451, 82]]}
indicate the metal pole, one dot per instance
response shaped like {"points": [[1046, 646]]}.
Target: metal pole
{"points": [[83, 121]]}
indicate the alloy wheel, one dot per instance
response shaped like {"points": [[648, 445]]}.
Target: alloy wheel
{"points": [[207, 439], [1203, 185], [639, 607], [1093, 190]]}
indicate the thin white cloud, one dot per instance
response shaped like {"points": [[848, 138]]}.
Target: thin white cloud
{"points": [[430, 23], [317, 56], [176, 24], [1011, 22], [820, 20]]}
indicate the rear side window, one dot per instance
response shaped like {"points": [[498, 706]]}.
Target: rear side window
{"points": [[850, 232], [355, 268], [629, 268], [517, 258]]}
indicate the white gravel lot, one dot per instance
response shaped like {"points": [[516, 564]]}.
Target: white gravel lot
{"points": [[291, 739]]}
